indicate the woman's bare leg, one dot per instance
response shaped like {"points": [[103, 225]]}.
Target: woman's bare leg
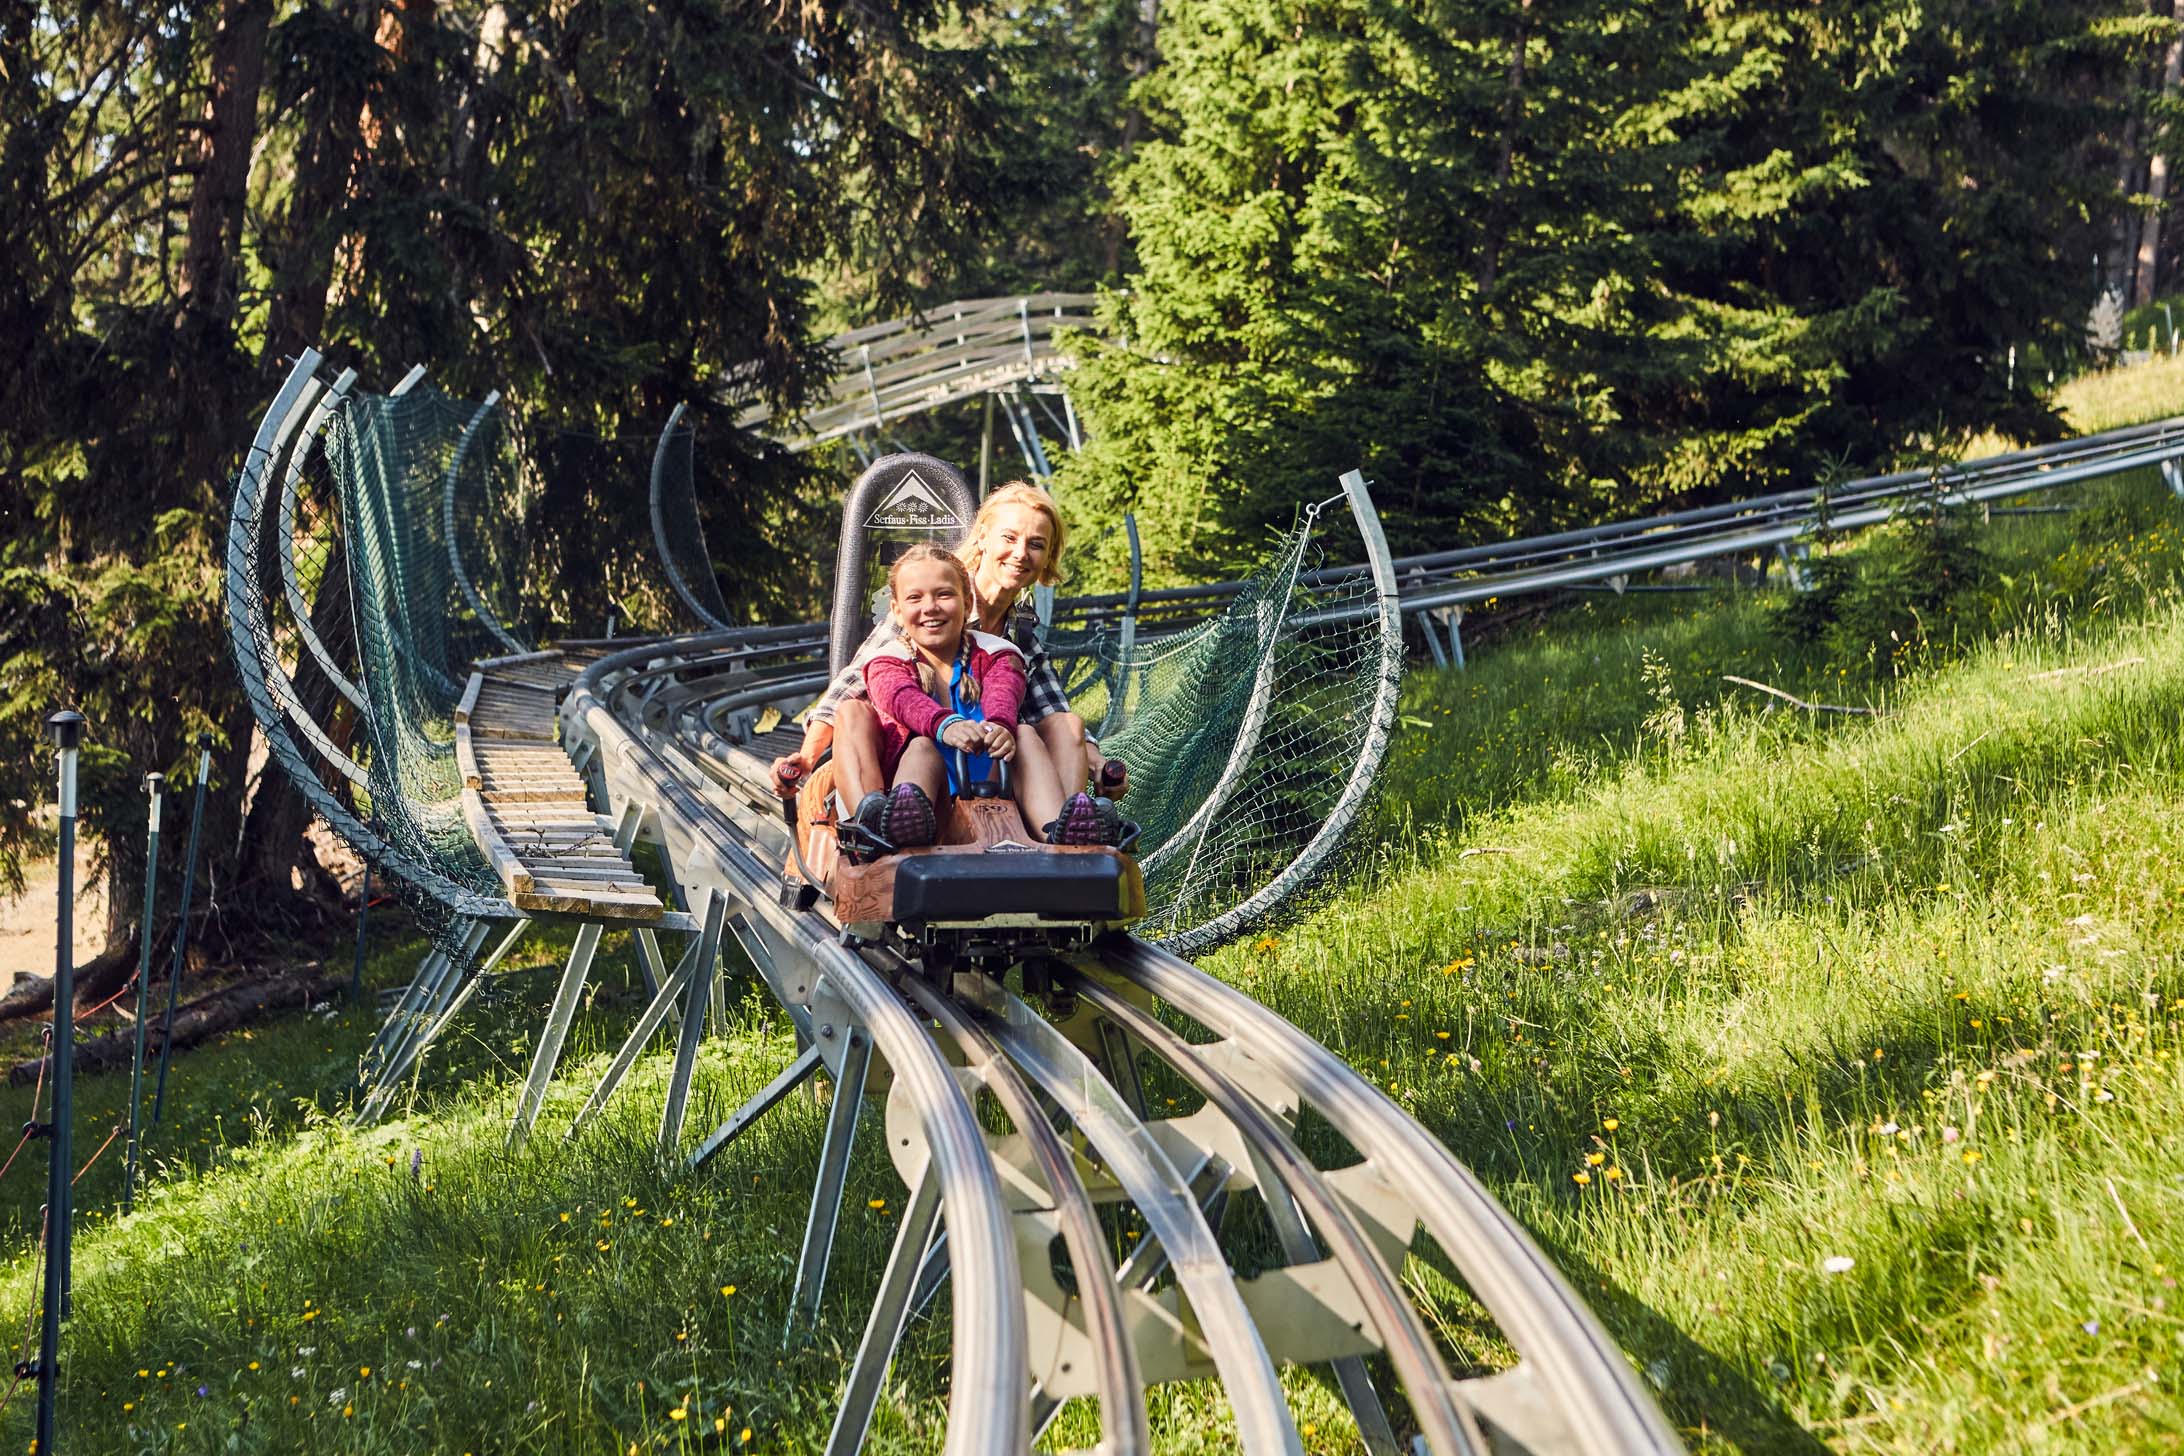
{"points": [[1062, 735], [856, 753], [921, 765], [1032, 779]]}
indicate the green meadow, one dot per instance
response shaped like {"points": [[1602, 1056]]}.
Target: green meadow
{"points": [[1833, 1055]]}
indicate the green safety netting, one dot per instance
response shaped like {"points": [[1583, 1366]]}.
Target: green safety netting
{"points": [[1250, 737], [435, 527]]}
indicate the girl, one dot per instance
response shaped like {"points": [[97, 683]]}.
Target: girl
{"points": [[1015, 544], [941, 686]]}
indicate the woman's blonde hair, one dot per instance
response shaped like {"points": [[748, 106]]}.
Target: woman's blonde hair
{"points": [[928, 551], [1018, 493]]}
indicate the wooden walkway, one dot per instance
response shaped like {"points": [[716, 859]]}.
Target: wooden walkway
{"points": [[525, 803]]}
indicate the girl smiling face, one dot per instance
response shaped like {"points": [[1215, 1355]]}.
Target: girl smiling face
{"points": [[929, 602]]}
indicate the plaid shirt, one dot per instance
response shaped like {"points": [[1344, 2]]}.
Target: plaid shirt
{"points": [[1043, 695]]}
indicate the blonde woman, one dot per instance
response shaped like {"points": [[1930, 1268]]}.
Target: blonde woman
{"points": [[1015, 543]]}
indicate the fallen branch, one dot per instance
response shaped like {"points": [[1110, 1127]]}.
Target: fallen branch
{"points": [[1484, 849], [1967, 748], [2056, 672], [2127, 1223], [1745, 682], [205, 1017]]}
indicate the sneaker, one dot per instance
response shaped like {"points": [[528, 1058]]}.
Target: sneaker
{"points": [[1085, 820], [910, 820], [864, 832]]}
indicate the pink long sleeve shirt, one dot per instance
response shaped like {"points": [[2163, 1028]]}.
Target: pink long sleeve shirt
{"points": [[891, 681]]}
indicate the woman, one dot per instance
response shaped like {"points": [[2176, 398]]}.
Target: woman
{"points": [[1015, 543]]}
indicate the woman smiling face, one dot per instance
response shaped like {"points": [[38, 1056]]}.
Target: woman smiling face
{"points": [[1014, 550]]}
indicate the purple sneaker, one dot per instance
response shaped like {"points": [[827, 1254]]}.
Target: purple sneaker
{"points": [[1085, 820], [910, 821]]}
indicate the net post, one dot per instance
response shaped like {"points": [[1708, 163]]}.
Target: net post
{"points": [[66, 729], [153, 784], [363, 912], [182, 925]]}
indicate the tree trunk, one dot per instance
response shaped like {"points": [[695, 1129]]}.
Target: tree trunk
{"points": [[481, 111], [303, 250], [207, 1016], [223, 159], [2157, 176], [2116, 273], [1497, 208]]}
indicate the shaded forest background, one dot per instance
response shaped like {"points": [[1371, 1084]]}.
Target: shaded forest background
{"points": [[1529, 262]]}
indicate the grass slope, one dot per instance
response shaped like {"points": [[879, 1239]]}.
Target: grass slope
{"points": [[1834, 1058]]}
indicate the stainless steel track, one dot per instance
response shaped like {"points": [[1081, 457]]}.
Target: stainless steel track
{"points": [[655, 716]]}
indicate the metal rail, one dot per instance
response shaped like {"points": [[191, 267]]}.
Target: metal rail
{"points": [[652, 722], [711, 613], [646, 715], [1435, 580], [902, 366], [705, 851], [285, 541]]}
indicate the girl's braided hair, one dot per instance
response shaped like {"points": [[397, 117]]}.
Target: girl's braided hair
{"points": [[928, 679]]}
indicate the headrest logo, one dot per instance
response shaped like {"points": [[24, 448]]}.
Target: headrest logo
{"points": [[913, 506]]}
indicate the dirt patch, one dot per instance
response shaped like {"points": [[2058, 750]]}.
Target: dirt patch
{"points": [[27, 921]]}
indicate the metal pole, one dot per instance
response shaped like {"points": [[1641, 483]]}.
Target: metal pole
{"points": [[363, 909], [66, 727], [985, 452], [182, 925], [153, 783]]}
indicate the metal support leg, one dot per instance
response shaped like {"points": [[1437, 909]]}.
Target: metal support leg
{"points": [[761, 1103], [702, 976], [673, 984], [423, 1002], [376, 1105], [985, 453], [653, 967], [1433, 639], [826, 1192], [1122, 1067], [1454, 621], [1299, 1247], [556, 1032], [716, 995], [412, 996], [890, 1311], [452, 968]]}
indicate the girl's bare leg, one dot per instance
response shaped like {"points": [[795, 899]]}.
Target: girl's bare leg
{"points": [[856, 753], [921, 765], [1037, 788], [1062, 735]]}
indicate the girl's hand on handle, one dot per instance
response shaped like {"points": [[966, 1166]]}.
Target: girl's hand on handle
{"points": [[1000, 743], [964, 736]]}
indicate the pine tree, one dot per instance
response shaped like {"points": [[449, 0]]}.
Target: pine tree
{"points": [[1536, 260]]}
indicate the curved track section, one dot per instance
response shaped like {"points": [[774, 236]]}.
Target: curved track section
{"points": [[1061, 1047], [903, 366], [1012, 1063]]}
